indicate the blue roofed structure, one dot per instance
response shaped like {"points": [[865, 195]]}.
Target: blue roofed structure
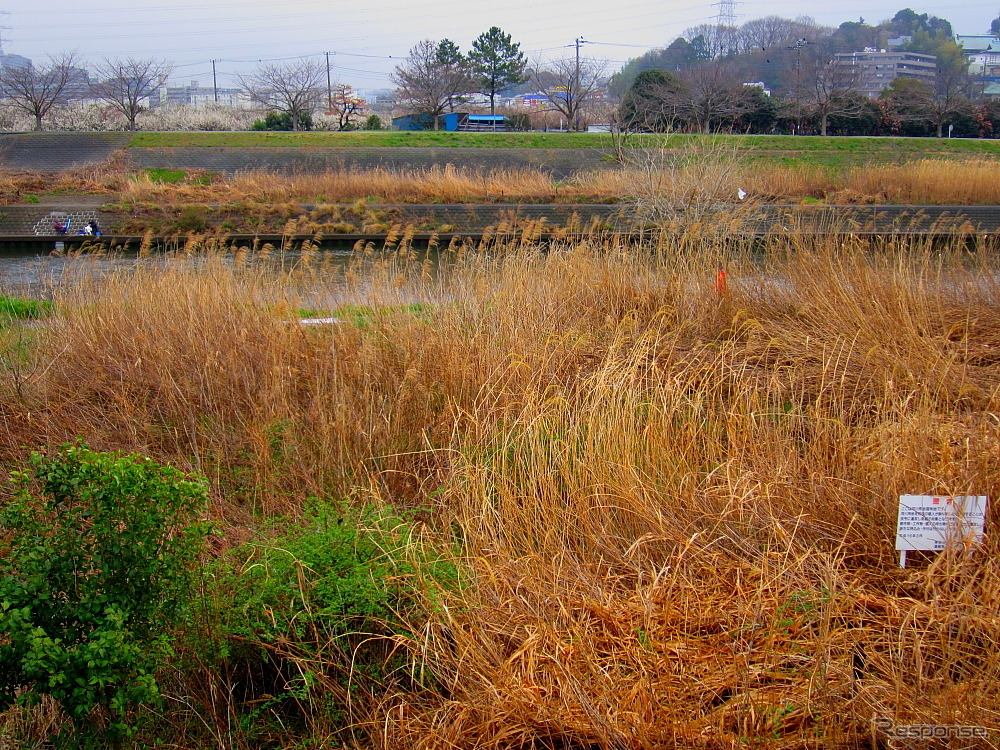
{"points": [[452, 121]]}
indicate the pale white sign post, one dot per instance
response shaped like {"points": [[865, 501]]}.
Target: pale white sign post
{"points": [[933, 522]]}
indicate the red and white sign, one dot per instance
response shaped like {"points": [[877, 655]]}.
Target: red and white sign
{"points": [[933, 522]]}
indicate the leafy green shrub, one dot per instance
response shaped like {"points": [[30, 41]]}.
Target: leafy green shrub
{"points": [[283, 121], [374, 122], [97, 553], [310, 613], [343, 572]]}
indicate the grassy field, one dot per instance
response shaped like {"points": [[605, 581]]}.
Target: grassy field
{"points": [[829, 152], [587, 500], [922, 147]]}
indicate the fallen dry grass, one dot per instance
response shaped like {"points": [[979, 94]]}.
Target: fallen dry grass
{"points": [[675, 510]]}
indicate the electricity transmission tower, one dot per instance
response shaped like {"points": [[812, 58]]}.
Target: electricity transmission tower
{"points": [[725, 23], [3, 15], [727, 12]]}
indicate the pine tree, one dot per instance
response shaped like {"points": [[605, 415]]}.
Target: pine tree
{"points": [[497, 62]]}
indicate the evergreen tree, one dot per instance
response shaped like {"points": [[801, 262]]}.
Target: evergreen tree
{"points": [[497, 62], [450, 58], [448, 53], [653, 102]]}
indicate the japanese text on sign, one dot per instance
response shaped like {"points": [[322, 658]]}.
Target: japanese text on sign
{"points": [[931, 522]]}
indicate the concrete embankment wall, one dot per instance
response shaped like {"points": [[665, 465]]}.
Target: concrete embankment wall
{"points": [[58, 152], [25, 221]]}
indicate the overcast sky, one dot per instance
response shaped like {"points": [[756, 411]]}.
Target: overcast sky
{"points": [[367, 38]]}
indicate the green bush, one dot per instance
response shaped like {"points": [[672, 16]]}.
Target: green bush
{"points": [[342, 572], [312, 613], [283, 121], [97, 557], [374, 122]]}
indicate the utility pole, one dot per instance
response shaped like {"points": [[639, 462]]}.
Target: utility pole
{"points": [[329, 85], [797, 47], [574, 86], [215, 83]]}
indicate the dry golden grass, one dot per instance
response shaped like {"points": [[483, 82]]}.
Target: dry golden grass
{"points": [[675, 510], [929, 181], [446, 184], [103, 179], [272, 198]]}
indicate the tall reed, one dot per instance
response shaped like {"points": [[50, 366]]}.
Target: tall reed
{"points": [[674, 508]]}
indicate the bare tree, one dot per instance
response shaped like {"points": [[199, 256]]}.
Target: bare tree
{"points": [[717, 40], [36, 91], [295, 88], [432, 78], [570, 84], [827, 84], [713, 94], [954, 85], [773, 32], [125, 84], [763, 34]]}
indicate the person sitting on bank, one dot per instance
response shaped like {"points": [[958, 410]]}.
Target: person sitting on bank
{"points": [[60, 226], [94, 228]]}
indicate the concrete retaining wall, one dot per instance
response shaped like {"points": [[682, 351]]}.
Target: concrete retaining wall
{"points": [[58, 152]]}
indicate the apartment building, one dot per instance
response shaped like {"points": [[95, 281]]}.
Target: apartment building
{"points": [[875, 69]]}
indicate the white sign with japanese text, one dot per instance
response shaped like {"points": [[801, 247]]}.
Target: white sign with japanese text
{"points": [[930, 522]]}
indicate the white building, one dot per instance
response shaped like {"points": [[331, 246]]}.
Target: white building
{"points": [[195, 95], [983, 51]]}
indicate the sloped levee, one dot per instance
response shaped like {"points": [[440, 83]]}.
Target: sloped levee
{"points": [[58, 152]]}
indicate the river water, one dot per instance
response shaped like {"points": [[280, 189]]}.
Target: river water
{"points": [[31, 274]]}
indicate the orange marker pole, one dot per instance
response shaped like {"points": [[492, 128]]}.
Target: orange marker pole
{"points": [[721, 284]]}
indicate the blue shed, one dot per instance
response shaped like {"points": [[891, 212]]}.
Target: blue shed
{"points": [[453, 121]]}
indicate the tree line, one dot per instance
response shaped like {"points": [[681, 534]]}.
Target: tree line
{"points": [[124, 84], [703, 81], [290, 91]]}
